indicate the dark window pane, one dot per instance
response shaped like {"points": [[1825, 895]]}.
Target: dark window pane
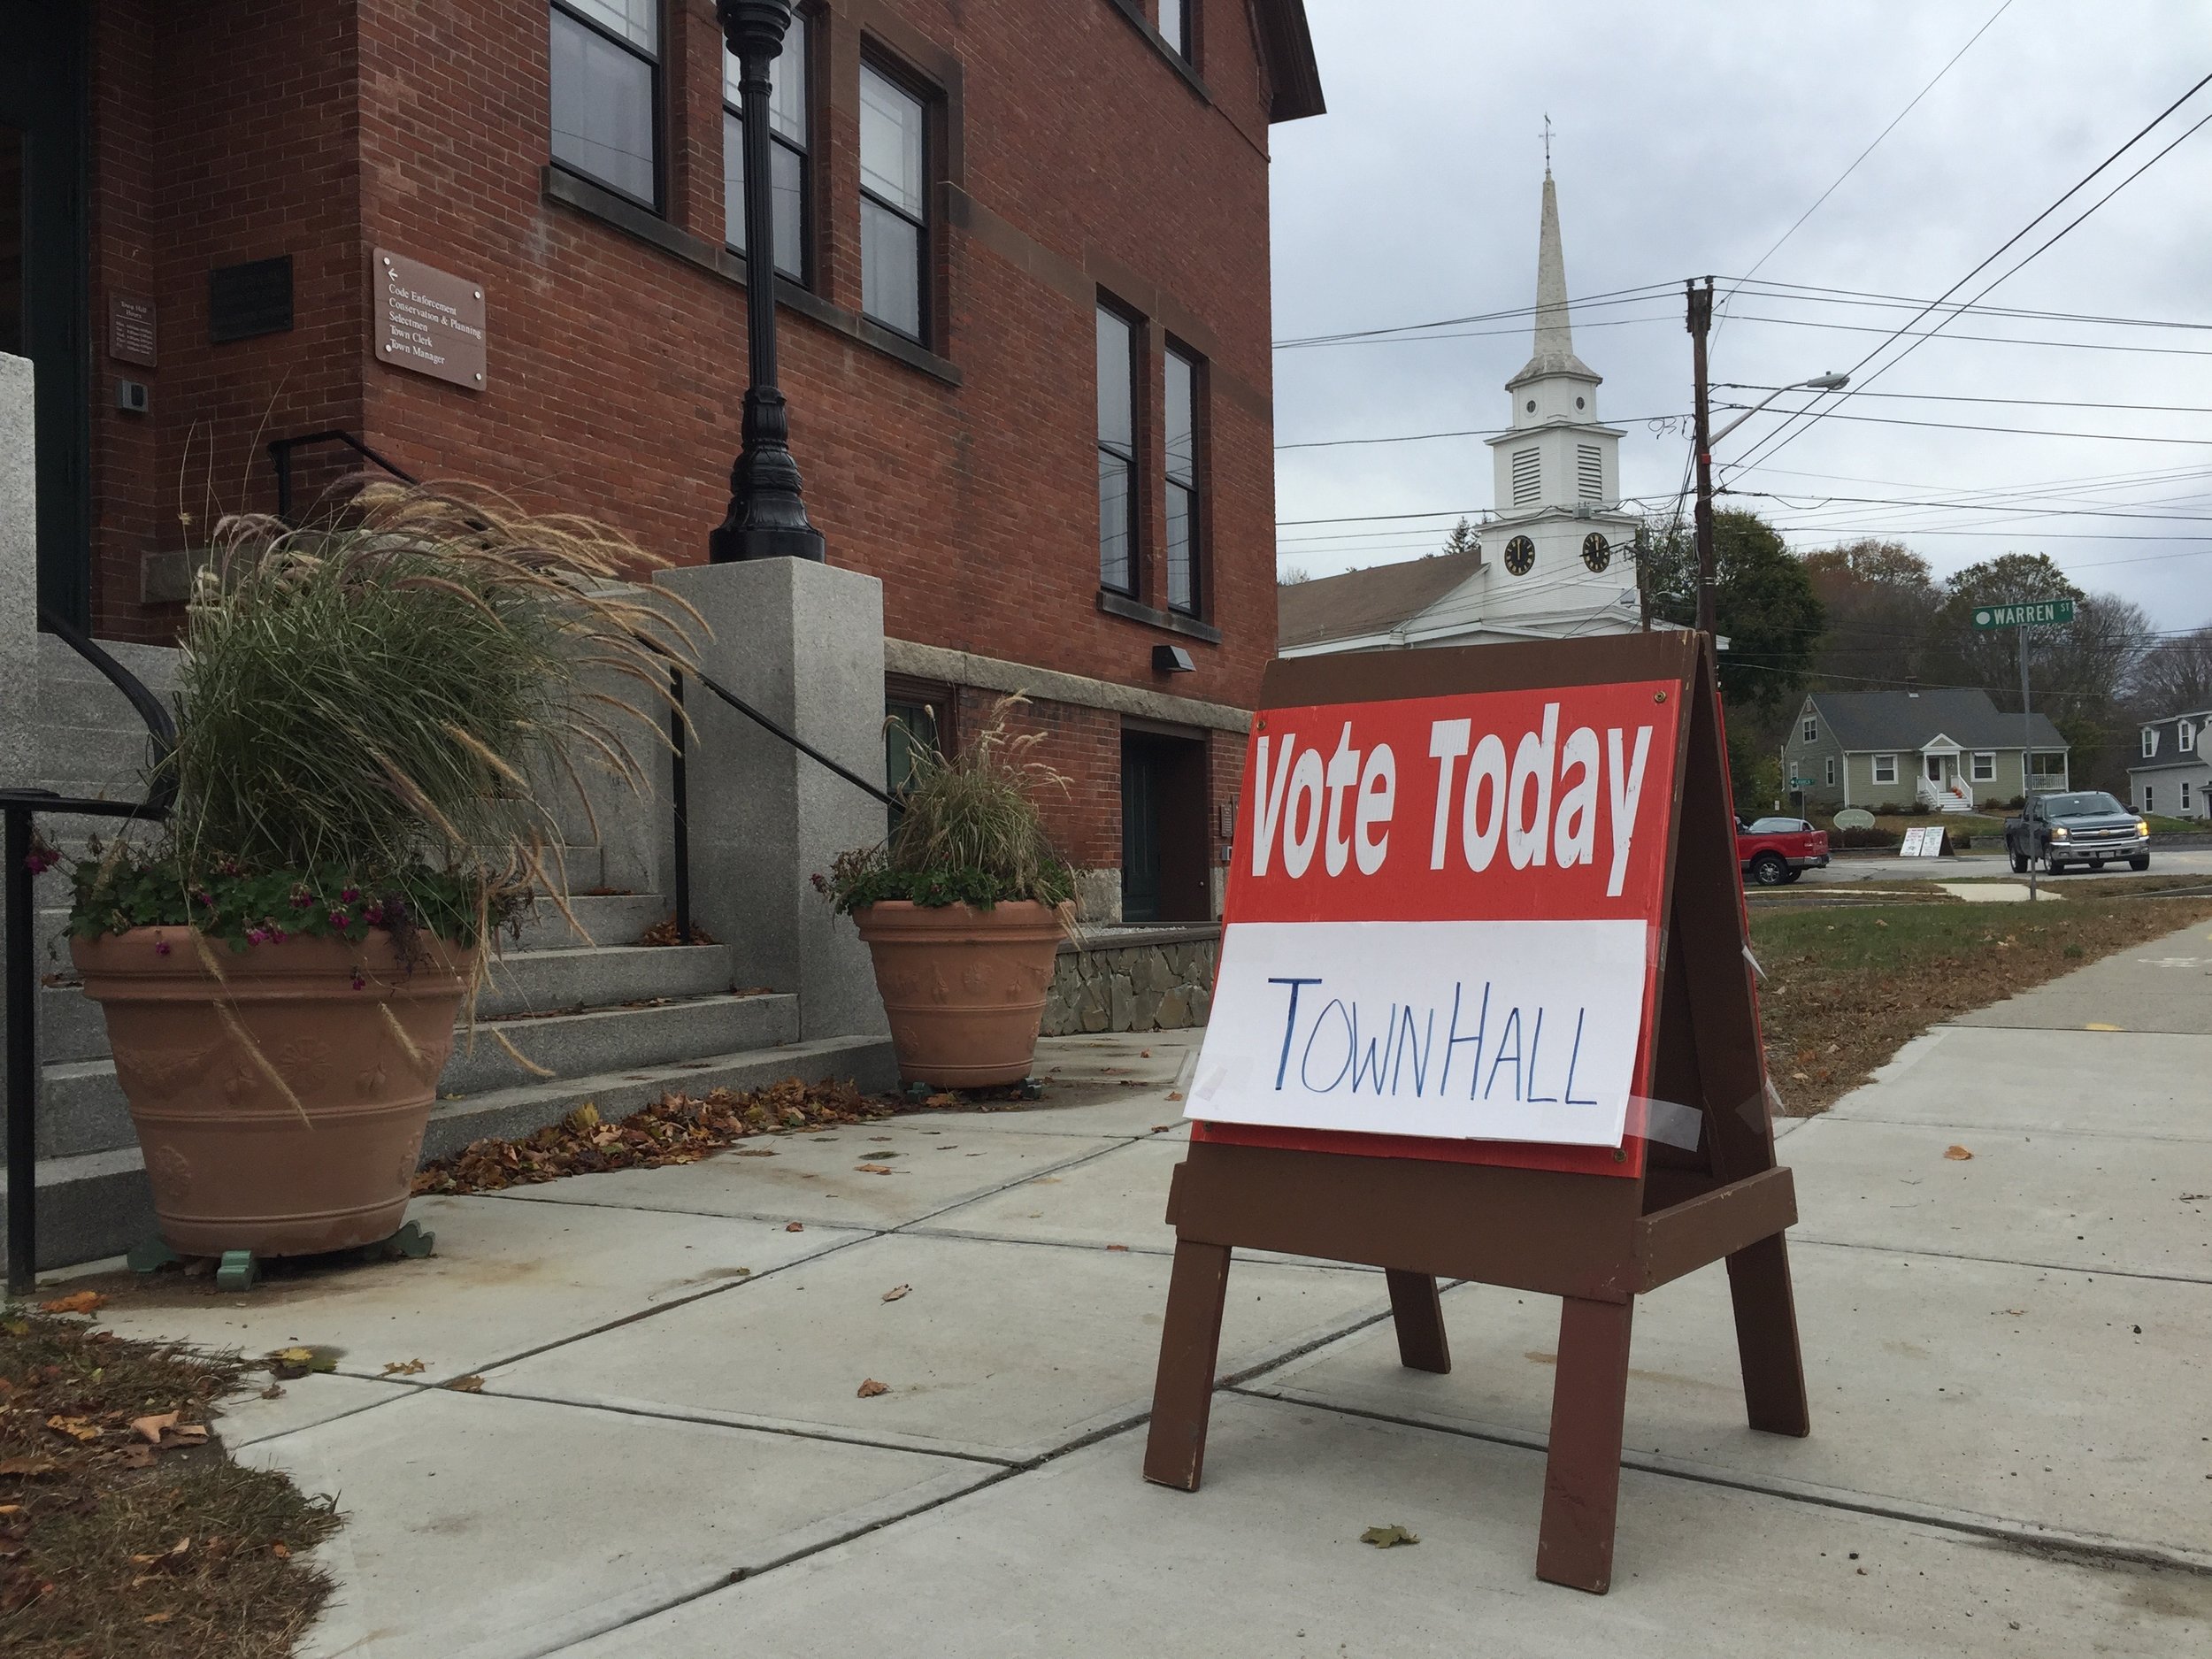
{"points": [[786, 171], [1182, 420], [1182, 568], [1115, 423], [1117, 566], [890, 268], [602, 109], [891, 143], [636, 21]]}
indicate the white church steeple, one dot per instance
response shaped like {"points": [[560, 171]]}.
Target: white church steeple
{"points": [[1555, 352]]}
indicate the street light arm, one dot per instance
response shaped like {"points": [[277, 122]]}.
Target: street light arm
{"points": [[1819, 382]]}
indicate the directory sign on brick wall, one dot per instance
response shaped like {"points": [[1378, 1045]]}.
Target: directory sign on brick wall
{"points": [[429, 320]]}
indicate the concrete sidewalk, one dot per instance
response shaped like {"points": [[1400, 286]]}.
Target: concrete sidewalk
{"points": [[668, 1456]]}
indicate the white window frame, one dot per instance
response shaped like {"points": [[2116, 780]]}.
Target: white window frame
{"points": [[2150, 742], [2185, 799], [1983, 769], [2148, 799], [1831, 771], [2187, 740], [1889, 761], [1810, 730]]}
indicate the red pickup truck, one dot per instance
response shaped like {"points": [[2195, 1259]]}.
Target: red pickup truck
{"points": [[1772, 851]]}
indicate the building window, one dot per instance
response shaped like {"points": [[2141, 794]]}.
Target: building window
{"points": [[2146, 798], [2185, 798], [1984, 767], [1831, 771], [1176, 28], [1810, 730], [893, 203], [606, 93], [2150, 741], [1590, 471], [1181, 413], [1886, 769], [2187, 736], [786, 151], [1528, 478], [1117, 451]]}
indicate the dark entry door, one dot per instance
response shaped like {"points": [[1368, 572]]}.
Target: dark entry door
{"points": [[42, 189], [1164, 840], [1139, 831]]}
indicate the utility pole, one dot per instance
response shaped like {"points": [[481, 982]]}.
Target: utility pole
{"points": [[1700, 324], [2027, 764]]}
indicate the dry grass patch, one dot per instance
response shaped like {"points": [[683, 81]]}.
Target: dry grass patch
{"points": [[1846, 987], [124, 1541]]}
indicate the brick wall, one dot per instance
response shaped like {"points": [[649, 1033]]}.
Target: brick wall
{"points": [[1072, 157]]}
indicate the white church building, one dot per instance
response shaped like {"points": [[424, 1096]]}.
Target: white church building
{"points": [[1551, 562]]}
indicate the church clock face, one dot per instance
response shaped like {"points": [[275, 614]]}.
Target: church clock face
{"points": [[1597, 553], [1520, 556]]}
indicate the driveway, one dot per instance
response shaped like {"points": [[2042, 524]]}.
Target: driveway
{"points": [[666, 1441]]}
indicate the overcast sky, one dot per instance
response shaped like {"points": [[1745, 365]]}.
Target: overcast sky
{"points": [[1688, 138]]}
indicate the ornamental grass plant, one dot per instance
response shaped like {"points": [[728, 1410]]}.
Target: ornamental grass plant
{"points": [[367, 709], [968, 829]]}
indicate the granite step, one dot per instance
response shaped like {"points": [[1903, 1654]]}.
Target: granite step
{"points": [[96, 1205]]}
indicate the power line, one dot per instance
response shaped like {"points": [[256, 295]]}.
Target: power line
{"points": [[1612, 297], [1792, 428], [1863, 154], [1814, 293], [2054, 513], [1470, 432], [1966, 397]]}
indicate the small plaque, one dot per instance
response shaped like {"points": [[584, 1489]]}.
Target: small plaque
{"points": [[429, 320], [246, 300], [131, 330]]}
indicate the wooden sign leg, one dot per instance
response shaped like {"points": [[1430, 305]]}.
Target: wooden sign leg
{"points": [[1766, 1338], [1190, 1346], [1582, 1474], [1419, 1313]]}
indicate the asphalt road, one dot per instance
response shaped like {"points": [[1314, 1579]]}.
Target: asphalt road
{"points": [[1887, 869]]}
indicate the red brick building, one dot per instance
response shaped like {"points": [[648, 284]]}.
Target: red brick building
{"points": [[1024, 318]]}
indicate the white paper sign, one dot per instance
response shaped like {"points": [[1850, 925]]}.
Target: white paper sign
{"points": [[1487, 1030]]}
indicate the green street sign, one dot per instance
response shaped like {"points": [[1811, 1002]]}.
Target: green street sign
{"points": [[2034, 614]]}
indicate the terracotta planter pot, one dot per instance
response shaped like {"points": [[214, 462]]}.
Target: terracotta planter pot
{"points": [[965, 987], [235, 1165]]}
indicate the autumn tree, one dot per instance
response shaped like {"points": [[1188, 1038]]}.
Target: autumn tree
{"points": [[1879, 599]]}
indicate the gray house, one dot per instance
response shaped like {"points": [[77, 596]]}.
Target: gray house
{"points": [[1935, 751], [2172, 773]]}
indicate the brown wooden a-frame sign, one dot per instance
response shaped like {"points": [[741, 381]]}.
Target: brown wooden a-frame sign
{"points": [[1595, 1240]]}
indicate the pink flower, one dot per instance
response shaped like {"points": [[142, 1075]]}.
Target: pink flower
{"points": [[161, 947], [39, 860], [339, 919], [276, 935], [301, 898], [359, 984], [349, 894], [257, 936], [374, 915]]}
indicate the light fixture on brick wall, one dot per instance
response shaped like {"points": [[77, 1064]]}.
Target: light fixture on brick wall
{"points": [[767, 517]]}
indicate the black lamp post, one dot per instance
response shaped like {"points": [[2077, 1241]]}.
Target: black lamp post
{"points": [[767, 517]]}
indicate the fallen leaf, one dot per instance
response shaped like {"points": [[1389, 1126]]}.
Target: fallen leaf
{"points": [[280, 1551], [895, 1291], [795, 1227], [1175, 1094], [872, 1169], [1144, 1054], [76, 1302], [275, 1391], [156, 1618], [2014, 1313], [470, 1384], [1957, 1154], [152, 1426], [190, 1433], [1161, 1129], [1389, 1537], [1118, 1247], [26, 1468], [137, 1456], [870, 1388], [76, 1428], [288, 1364], [403, 1368]]}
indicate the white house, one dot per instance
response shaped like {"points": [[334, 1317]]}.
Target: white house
{"points": [[2172, 773], [1550, 564]]}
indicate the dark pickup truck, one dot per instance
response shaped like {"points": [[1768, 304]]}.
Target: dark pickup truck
{"points": [[2086, 827]]}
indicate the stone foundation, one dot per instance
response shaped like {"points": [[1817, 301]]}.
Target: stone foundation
{"points": [[1134, 978]]}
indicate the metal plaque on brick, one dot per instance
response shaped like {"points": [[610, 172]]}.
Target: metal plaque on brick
{"points": [[131, 330], [429, 320]]}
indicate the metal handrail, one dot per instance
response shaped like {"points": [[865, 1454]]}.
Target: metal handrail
{"points": [[281, 457], [20, 808]]}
